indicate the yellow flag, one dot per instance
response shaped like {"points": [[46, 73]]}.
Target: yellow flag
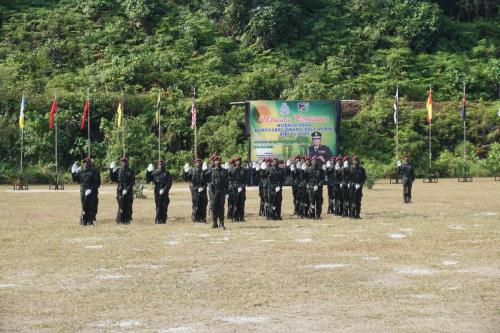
{"points": [[119, 115], [429, 107], [21, 114]]}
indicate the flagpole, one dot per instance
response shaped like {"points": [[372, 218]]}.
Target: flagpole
{"points": [[397, 123], [430, 137], [22, 148], [464, 119], [159, 127], [195, 125], [123, 125], [55, 137], [88, 124]]}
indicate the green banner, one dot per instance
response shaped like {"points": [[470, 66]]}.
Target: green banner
{"points": [[284, 129]]}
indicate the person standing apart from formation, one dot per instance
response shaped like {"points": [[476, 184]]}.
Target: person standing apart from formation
{"points": [[163, 182], [276, 179], [125, 177], [406, 171], [315, 178], [90, 181]]}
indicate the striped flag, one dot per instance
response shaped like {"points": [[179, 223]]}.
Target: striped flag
{"points": [[53, 111], [429, 107], [157, 114], [119, 113], [21, 114], [194, 112], [463, 110], [396, 106], [85, 114]]}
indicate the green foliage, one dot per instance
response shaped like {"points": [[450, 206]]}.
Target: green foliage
{"points": [[235, 50]]}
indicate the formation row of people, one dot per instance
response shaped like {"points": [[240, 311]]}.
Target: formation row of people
{"points": [[217, 182]]}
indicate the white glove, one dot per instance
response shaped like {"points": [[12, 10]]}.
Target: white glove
{"points": [[328, 164], [278, 188], [124, 192], [255, 165], [161, 191], [288, 162], [200, 189], [112, 165], [342, 185], [346, 164], [226, 165], [257, 168], [227, 196], [87, 192], [304, 166], [299, 165], [150, 167], [398, 163], [74, 168], [292, 167], [357, 186], [324, 166], [337, 166], [263, 165], [315, 187], [204, 166], [348, 185], [186, 167], [240, 189]]}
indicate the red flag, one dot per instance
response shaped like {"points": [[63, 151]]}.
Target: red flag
{"points": [[85, 114], [194, 111], [52, 113]]}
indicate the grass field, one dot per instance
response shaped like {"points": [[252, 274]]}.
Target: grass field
{"points": [[431, 266]]}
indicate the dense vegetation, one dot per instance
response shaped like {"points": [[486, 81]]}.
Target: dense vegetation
{"points": [[234, 50]]}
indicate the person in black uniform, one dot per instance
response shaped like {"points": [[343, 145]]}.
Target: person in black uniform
{"points": [[237, 186], [318, 150], [330, 181], [218, 188], [407, 172], [294, 172], [357, 177], [345, 184], [125, 177], [315, 178], [261, 171], [90, 181], [337, 193], [304, 202], [163, 182], [230, 198], [276, 179], [197, 176]]}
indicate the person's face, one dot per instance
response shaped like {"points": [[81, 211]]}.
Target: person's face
{"points": [[197, 164], [237, 163], [355, 162], [161, 166], [216, 162], [308, 162], [123, 164], [406, 160], [275, 163], [87, 165], [316, 141]]}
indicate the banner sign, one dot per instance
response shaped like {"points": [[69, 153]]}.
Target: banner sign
{"points": [[284, 129]]}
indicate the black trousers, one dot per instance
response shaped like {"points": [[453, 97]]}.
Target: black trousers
{"points": [[315, 201], [407, 183], [217, 199], [161, 202], [125, 202], [238, 205], [199, 206], [275, 200], [89, 208]]}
